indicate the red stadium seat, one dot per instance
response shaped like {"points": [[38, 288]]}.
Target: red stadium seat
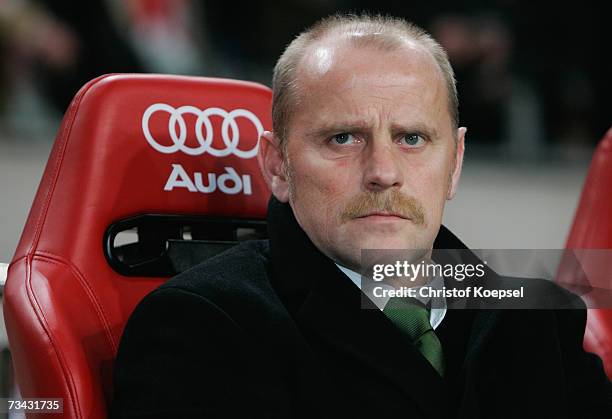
{"points": [[592, 229], [128, 145]]}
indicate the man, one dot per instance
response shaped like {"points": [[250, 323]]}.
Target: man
{"points": [[365, 151]]}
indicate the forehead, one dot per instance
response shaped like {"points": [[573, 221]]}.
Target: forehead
{"points": [[319, 55], [360, 79]]}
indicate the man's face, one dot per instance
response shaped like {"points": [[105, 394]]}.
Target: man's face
{"points": [[371, 152]]}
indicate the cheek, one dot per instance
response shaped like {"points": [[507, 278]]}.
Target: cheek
{"points": [[320, 192], [322, 179], [430, 181], [319, 198]]}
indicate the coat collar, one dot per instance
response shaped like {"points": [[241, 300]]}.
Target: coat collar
{"points": [[324, 301]]}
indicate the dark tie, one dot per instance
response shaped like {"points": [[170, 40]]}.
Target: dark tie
{"points": [[412, 318]]}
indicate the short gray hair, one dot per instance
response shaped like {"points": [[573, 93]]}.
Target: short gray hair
{"points": [[384, 32]]}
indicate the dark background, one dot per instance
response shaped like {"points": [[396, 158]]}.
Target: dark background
{"points": [[533, 81]]}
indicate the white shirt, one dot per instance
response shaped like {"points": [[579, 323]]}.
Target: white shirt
{"points": [[436, 315]]}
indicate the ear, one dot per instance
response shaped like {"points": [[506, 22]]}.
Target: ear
{"points": [[459, 149], [271, 164]]}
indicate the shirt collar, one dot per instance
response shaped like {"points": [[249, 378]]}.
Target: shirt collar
{"points": [[436, 315]]}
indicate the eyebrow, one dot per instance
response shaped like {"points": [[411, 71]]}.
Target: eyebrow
{"points": [[335, 128]]}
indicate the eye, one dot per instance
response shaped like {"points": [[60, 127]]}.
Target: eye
{"points": [[412, 140], [344, 138]]}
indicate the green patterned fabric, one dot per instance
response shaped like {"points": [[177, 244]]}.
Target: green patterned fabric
{"points": [[412, 318]]}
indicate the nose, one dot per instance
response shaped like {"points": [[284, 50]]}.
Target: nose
{"points": [[382, 167]]}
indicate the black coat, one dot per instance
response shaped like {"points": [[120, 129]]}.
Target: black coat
{"points": [[273, 329]]}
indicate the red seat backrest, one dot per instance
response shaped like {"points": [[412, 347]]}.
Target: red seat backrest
{"points": [[128, 145], [592, 229]]}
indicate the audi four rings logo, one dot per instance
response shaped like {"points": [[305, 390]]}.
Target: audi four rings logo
{"points": [[177, 128]]}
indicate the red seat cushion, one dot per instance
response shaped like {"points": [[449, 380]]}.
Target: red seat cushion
{"points": [[128, 144], [592, 229]]}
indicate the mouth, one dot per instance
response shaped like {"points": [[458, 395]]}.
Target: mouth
{"points": [[383, 215]]}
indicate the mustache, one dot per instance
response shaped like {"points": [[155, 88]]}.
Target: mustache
{"points": [[393, 201]]}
